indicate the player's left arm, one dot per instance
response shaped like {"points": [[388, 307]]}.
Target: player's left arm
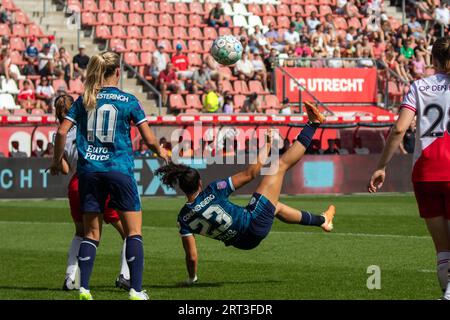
{"points": [[190, 250], [240, 179], [60, 142]]}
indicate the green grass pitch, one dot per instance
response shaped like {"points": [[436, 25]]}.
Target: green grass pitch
{"points": [[294, 262]]}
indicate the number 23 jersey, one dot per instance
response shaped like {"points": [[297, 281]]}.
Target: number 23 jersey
{"points": [[103, 134], [429, 98], [211, 214]]}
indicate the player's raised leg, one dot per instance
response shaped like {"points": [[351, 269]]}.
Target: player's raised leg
{"points": [[270, 186], [294, 216]]}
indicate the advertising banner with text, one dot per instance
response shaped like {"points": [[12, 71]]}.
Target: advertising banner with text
{"points": [[330, 84]]}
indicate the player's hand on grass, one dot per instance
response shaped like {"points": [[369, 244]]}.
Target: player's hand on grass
{"points": [[377, 180]]}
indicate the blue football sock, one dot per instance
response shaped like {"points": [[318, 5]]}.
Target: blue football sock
{"points": [[307, 133], [134, 253], [86, 258], [310, 219]]}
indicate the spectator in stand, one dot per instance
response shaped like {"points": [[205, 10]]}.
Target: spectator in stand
{"points": [[332, 148], [200, 79], [364, 45], [260, 69], [7, 68], [64, 63], [213, 68], [180, 62], [351, 35], [31, 53], [143, 151], [80, 62], [245, 46], [359, 149], [291, 37], [228, 104], [39, 151], [407, 49], [320, 36], [252, 104], [46, 61], [415, 26], [15, 150], [49, 151], [336, 61], [329, 23], [45, 95], [331, 47], [54, 51], [442, 14], [418, 66], [378, 48], [274, 39], [244, 69], [159, 62], [299, 22], [168, 81], [422, 50], [318, 49], [26, 97], [211, 103], [5, 42], [259, 43], [340, 6], [5, 16], [285, 107], [404, 32], [317, 61], [351, 10], [302, 49], [312, 21], [364, 60], [29, 69], [216, 17]]}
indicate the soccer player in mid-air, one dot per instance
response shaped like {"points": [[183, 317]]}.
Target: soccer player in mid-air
{"points": [[103, 116], [210, 213], [428, 99], [69, 166]]}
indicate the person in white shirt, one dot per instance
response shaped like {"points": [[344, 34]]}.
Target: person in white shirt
{"points": [[291, 37], [312, 22], [336, 61], [442, 14], [244, 68], [159, 62], [46, 61]]}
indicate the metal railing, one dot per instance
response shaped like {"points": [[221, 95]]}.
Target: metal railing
{"points": [[302, 62]]}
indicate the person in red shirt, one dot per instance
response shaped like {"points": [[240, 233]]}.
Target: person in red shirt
{"points": [[26, 96], [181, 63], [168, 81]]}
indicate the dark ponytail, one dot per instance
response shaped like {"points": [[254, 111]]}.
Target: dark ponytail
{"points": [[188, 179]]}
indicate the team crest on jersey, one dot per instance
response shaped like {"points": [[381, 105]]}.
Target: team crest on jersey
{"points": [[221, 185], [252, 200]]}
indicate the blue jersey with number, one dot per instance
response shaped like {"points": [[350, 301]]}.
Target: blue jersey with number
{"points": [[103, 134], [211, 214]]}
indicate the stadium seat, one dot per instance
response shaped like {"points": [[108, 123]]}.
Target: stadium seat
{"points": [[324, 10], [193, 101], [167, 45], [226, 85], [88, 19], [196, 8], [135, 19], [117, 44], [133, 45], [119, 32], [4, 112], [102, 32], [195, 33], [134, 32], [181, 20], [149, 32], [210, 33], [256, 86], [90, 6], [180, 33], [228, 10], [76, 86], [240, 87], [270, 111], [196, 21], [104, 18], [136, 6], [121, 6], [4, 30], [148, 45], [239, 8], [272, 102], [165, 19], [132, 59], [297, 8], [283, 22], [105, 6], [340, 23], [58, 83], [181, 7], [354, 22], [165, 32], [283, 10], [254, 21], [166, 7], [195, 59], [310, 8], [225, 31], [183, 44], [20, 112], [191, 111], [150, 19], [16, 43], [176, 101], [21, 18], [240, 21], [255, 9], [238, 101], [227, 72], [207, 44], [195, 46], [7, 101], [267, 20], [19, 30], [120, 18], [37, 112], [151, 7], [268, 10], [146, 58]]}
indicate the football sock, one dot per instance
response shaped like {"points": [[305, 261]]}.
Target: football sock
{"points": [[443, 265], [72, 257], [124, 270], [310, 219], [135, 258], [86, 258], [307, 133]]}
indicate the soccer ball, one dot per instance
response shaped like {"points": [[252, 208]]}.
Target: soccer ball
{"points": [[226, 50]]}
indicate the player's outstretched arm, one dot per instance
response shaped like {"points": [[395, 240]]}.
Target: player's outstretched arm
{"points": [[240, 179], [151, 141], [405, 118], [190, 249], [60, 142]]}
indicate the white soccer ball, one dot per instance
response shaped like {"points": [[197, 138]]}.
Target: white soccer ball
{"points": [[227, 50]]}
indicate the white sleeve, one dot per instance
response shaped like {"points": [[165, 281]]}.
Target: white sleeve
{"points": [[410, 99]]}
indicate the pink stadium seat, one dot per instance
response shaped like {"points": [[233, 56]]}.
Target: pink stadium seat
{"points": [[148, 45], [193, 101], [21, 17], [226, 85], [76, 86], [19, 30], [136, 6], [120, 18], [340, 23], [4, 112], [117, 44], [105, 6], [283, 10], [17, 43], [210, 33], [238, 101], [88, 19], [196, 21], [57, 83], [195, 59], [165, 19], [354, 22], [133, 45], [240, 87], [166, 7], [134, 32], [4, 30], [297, 8], [207, 44], [196, 8], [176, 101], [151, 7], [256, 86], [327, 2], [195, 46], [269, 20], [135, 19], [254, 8], [268, 10], [149, 32], [164, 32], [272, 102], [180, 33], [102, 32], [90, 6], [146, 57], [180, 20], [195, 33], [224, 31], [150, 19], [270, 111], [121, 6], [104, 18], [167, 45], [226, 71], [132, 59], [283, 22], [325, 9], [181, 7], [119, 32], [310, 8], [208, 7]]}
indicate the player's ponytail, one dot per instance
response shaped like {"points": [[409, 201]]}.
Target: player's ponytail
{"points": [[186, 178], [62, 106], [441, 54], [100, 67]]}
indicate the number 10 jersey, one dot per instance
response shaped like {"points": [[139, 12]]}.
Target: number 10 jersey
{"points": [[103, 134], [429, 98]]}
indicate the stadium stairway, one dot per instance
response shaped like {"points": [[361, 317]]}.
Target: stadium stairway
{"points": [[55, 22]]}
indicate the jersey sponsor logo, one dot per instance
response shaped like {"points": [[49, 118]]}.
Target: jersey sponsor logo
{"points": [[221, 185], [204, 203], [113, 96], [435, 87], [97, 153]]}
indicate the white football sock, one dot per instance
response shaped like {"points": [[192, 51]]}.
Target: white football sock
{"points": [[443, 266], [72, 259], [124, 270]]}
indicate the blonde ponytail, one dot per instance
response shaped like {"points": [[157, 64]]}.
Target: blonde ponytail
{"points": [[441, 54], [100, 67]]}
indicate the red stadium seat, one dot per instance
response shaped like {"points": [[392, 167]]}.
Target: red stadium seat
{"points": [[119, 32], [134, 32], [310, 8], [195, 46], [240, 87], [105, 6], [238, 101], [146, 57], [20, 112], [58, 83], [132, 59], [135, 19], [297, 8], [167, 45], [76, 86], [117, 44], [193, 101], [195, 59], [208, 7], [4, 30], [283, 22], [121, 6], [272, 102], [176, 101], [164, 32], [181, 7], [136, 6], [180, 20], [90, 6], [21, 18], [133, 45], [19, 30], [327, 2], [324, 10], [104, 18], [254, 8], [120, 18], [102, 32], [283, 10], [256, 86], [226, 85], [196, 21], [268, 10], [88, 19], [150, 19], [149, 32], [226, 71], [196, 8], [180, 33], [151, 7], [207, 44], [210, 33], [165, 20], [354, 22], [16, 43], [166, 7], [148, 45], [267, 20], [37, 112], [195, 33], [4, 112], [270, 111], [192, 111], [340, 23], [224, 31]]}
